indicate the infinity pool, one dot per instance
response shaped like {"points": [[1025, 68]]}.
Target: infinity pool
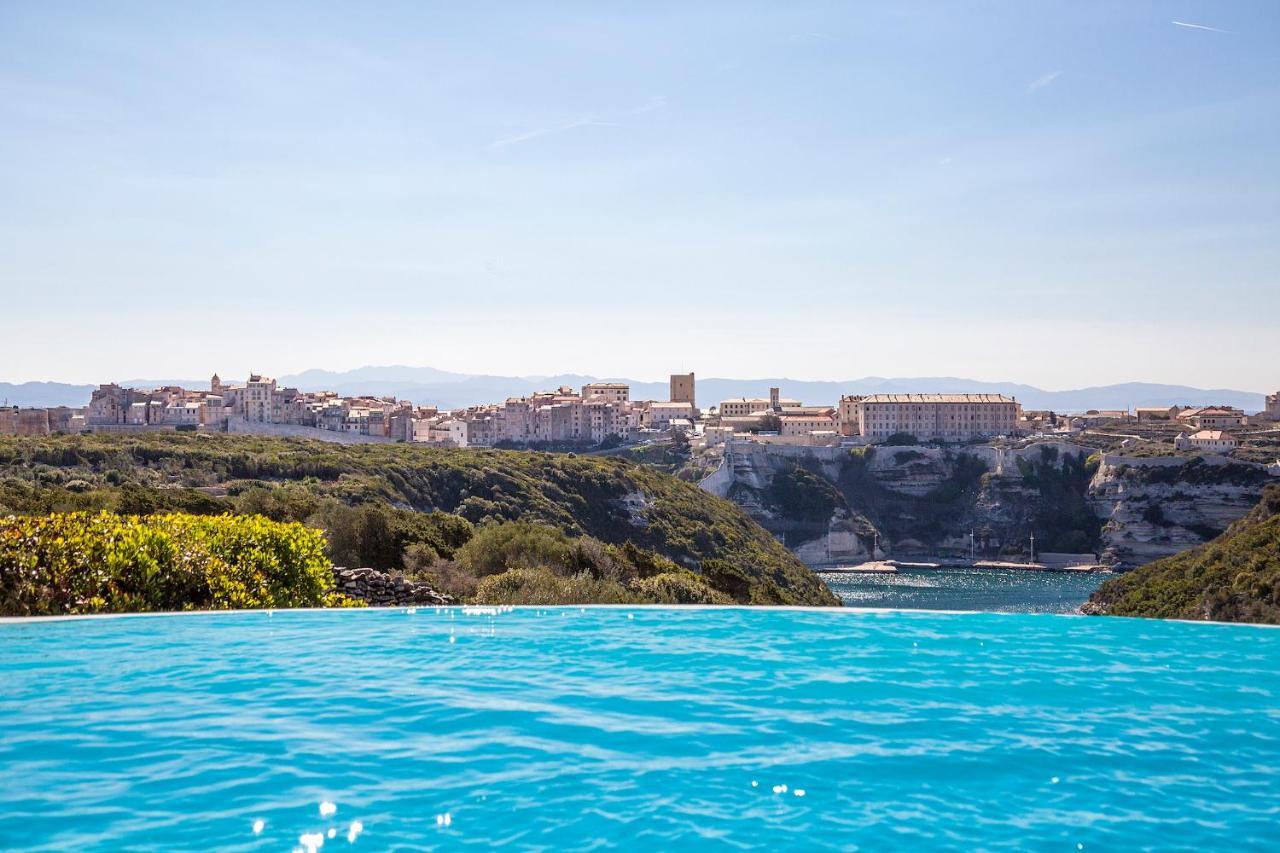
{"points": [[638, 728]]}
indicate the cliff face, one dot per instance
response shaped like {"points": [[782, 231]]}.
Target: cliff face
{"points": [[1156, 507], [916, 501]]}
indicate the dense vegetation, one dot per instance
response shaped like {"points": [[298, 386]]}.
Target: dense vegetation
{"points": [[398, 506], [803, 495], [1234, 578], [1196, 471], [107, 563], [1063, 520]]}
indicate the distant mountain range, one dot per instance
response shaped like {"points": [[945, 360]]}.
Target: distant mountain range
{"points": [[428, 386]]}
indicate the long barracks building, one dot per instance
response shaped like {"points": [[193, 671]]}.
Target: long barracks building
{"points": [[929, 417]]}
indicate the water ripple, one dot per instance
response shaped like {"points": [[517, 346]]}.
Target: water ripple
{"points": [[599, 728]]}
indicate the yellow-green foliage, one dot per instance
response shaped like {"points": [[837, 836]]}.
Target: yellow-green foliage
{"points": [[677, 588], [544, 587], [107, 563]]}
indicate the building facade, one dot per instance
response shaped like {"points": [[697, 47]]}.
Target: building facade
{"points": [[932, 417], [1212, 417], [613, 392], [1212, 440]]}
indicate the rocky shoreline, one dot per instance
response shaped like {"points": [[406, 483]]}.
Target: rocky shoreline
{"points": [[380, 589]]}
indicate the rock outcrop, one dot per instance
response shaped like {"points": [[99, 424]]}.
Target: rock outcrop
{"points": [[1158, 506], [385, 590], [926, 500]]}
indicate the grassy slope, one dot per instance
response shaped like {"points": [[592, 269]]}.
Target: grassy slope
{"points": [[579, 495], [1234, 578]]}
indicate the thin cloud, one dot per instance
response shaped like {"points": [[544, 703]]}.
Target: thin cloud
{"points": [[1040, 82], [809, 37], [585, 121], [657, 102], [1199, 27]]}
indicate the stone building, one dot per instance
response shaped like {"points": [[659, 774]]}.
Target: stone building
{"points": [[682, 389], [1272, 409], [257, 403], [17, 421]]}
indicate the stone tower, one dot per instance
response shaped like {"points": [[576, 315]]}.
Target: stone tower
{"points": [[682, 388]]}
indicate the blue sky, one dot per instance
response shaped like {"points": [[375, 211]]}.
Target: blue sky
{"points": [[1063, 194]]}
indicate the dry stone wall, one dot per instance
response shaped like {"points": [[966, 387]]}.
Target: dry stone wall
{"points": [[384, 590]]}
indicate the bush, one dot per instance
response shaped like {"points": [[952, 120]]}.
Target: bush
{"points": [[607, 498], [516, 544], [107, 563], [677, 588], [543, 587], [901, 439]]}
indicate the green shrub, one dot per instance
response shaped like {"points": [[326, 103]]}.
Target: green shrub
{"points": [[516, 544], [677, 588], [800, 494], [605, 498], [107, 563], [543, 587]]}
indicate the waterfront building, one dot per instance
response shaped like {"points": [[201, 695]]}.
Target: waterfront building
{"points": [[1272, 410]]}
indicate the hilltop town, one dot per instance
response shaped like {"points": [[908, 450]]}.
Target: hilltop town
{"points": [[603, 414]]}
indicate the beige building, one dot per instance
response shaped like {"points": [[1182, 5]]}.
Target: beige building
{"points": [[1213, 440], [16, 421], [1151, 414], [682, 389], [612, 392], [932, 417], [742, 406], [847, 414], [1212, 417], [805, 424], [257, 403], [660, 415], [1272, 410]]}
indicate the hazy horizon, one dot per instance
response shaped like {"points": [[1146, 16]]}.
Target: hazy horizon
{"points": [[1062, 196], [233, 378]]}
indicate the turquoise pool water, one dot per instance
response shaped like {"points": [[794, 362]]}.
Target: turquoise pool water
{"points": [[1002, 590], [638, 728]]}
